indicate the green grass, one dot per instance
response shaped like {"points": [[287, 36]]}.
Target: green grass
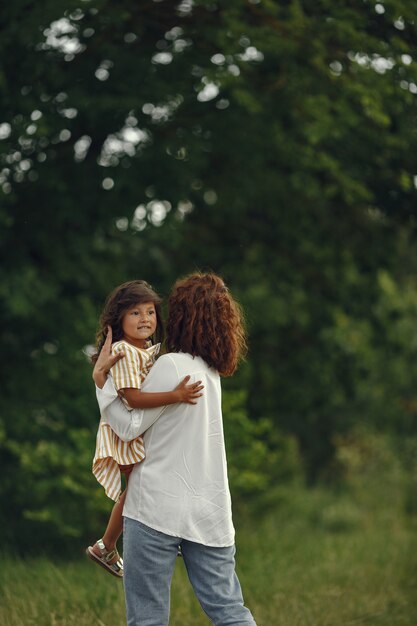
{"points": [[318, 561]]}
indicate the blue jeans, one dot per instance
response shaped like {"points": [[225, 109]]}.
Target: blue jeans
{"points": [[149, 559]]}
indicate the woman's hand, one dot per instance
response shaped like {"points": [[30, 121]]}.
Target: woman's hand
{"points": [[105, 360], [188, 393]]}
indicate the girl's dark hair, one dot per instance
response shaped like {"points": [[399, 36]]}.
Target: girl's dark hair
{"points": [[204, 320], [121, 299]]}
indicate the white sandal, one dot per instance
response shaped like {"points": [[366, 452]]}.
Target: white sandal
{"points": [[115, 568]]}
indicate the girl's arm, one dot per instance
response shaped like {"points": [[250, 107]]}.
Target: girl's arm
{"points": [[138, 399], [105, 360], [182, 393], [129, 424]]}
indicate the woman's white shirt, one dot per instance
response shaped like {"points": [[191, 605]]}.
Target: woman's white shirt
{"points": [[181, 488]]}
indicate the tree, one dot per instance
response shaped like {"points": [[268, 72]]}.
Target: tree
{"points": [[270, 141]]}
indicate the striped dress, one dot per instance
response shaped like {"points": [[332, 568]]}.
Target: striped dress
{"points": [[110, 450]]}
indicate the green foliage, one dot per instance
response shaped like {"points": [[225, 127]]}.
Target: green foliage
{"points": [[320, 558], [259, 455], [272, 142]]}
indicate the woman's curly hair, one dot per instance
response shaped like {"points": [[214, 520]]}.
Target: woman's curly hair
{"points": [[204, 320], [121, 299]]}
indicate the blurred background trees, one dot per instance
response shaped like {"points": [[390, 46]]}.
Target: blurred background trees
{"points": [[271, 141]]}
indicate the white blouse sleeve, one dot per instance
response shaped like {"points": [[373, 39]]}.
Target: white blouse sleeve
{"points": [[130, 424]]}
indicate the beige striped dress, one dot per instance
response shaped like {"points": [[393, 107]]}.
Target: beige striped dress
{"points": [[110, 450]]}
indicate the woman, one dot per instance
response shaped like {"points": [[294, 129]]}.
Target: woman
{"points": [[180, 494]]}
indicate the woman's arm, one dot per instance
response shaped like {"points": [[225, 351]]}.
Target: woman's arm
{"points": [[116, 414], [130, 424]]}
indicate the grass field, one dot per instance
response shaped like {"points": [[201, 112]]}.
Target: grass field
{"points": [[326, 562]]}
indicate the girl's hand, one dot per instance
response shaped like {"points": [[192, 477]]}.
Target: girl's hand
{"points": [[105, 361], [188, 393]]}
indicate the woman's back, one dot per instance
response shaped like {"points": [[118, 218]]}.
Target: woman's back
{"points": [[181, 488]]}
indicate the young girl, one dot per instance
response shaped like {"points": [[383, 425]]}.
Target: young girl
{"points": [[132, 311]]}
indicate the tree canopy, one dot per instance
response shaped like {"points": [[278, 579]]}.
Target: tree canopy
{"points": [[270, 141]]}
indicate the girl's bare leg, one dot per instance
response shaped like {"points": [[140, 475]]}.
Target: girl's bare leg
{"points": [[115, 524]]}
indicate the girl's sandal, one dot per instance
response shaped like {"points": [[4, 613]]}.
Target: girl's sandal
{"points": [[110, 560]]}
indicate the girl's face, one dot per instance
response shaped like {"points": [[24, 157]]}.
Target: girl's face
{"points": [[139, 323]]}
